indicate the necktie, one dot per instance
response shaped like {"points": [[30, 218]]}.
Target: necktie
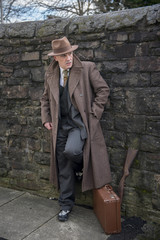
{"points": [[65, 77]]}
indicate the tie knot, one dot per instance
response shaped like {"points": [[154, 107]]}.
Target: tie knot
{"points": [[65, 73]]}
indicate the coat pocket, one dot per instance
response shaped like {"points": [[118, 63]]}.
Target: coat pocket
{"points": [[93, 126]]}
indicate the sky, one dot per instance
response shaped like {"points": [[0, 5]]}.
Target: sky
{"points": [[28, 16], [38, 13]]}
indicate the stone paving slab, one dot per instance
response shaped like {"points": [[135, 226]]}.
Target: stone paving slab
{"points": [[29, 217], [24, 214], [82, 224], [7, 195]]}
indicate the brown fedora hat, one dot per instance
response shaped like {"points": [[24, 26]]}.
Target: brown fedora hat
{"points": [[61, 46]]}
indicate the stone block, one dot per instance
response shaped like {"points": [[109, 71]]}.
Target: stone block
{"points": [[35, 63], [11, 80], [30, 56], [149, 161], [15, 129], [118, 37], [133, 140], [29, 131], [126, 50], [35, 93], [89, 44], [12, 58], [117, 157], [144, 64], [13, 92], [115, 66], [127, 18], [150, 143], [131, 79], [117, 99], [51, 27], [21, 73], [108, 53], [43, 173], [31, 144], [31, 111], [155, 52], [142, 101], [137, 195], [21, 30], [142, 36], [141, 179], [153, 126], [115, 139], [153, 15], [107, 121], [5, 50], [37, 74], [85, 54], [87, 24], [155, 79], [30, 42], [42, 158], [127, 123]]}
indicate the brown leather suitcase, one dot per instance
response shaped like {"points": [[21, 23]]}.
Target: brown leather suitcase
{"points": [[107, 207]]}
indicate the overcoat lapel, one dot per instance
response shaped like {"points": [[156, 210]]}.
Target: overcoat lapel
{"points": [[73, 80], [75, 75], [53, 81]]}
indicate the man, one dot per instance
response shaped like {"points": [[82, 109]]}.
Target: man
{"points": [[72, 111]]}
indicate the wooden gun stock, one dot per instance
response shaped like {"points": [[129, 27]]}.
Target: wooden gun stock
{"points": [[131, 154]]}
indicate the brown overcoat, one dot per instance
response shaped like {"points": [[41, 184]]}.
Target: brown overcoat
{"points": [[89, 93]]}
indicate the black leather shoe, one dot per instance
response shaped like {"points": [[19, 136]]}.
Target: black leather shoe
{"points": [[63, 215]]}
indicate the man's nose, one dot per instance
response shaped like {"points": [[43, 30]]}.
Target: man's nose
{"points": [[69, 57]]}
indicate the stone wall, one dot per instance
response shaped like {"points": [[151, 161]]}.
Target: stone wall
{"points": [[125, 46]]}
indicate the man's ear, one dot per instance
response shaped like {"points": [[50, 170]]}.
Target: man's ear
{"points": [[55, 58]]}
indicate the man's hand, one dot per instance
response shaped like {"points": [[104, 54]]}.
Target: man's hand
{"points": [[48, 125]]}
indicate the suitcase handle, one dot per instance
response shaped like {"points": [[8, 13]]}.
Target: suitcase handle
{"points": [[108, 187]]}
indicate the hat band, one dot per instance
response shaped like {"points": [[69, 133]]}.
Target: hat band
{"points": [[61, 50]]}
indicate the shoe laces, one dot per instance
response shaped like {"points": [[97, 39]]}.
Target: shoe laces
{"points": [[64, 212]]}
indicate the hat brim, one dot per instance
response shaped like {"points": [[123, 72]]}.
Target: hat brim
{"points": [[73, 48]]}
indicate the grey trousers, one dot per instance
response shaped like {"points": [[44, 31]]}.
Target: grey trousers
{"points": [[69, 152]]}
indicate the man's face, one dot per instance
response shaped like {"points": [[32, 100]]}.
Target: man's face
{"points": [[65, 60]]}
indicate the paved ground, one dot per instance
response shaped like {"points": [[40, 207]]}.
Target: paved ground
{"points": [[29, 217]]}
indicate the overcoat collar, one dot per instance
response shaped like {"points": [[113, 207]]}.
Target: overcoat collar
{"points": [[53, 76]]}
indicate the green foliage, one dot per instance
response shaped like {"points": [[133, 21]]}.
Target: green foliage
{"points": [[139, 3]]}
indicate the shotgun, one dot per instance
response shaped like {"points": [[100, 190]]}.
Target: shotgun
{"points": [[131, 154]]}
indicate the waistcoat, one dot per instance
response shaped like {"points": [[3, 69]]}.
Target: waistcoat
{"points": [[69, 115]]}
